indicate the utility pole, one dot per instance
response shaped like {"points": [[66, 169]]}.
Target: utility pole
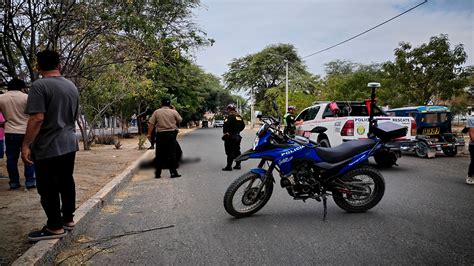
{"points": [[252, 111], [286, 87]]}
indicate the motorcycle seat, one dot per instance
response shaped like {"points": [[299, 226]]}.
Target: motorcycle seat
{"points": [[344, 151]]}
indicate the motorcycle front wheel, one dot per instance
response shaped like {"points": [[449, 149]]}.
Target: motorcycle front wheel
{"points": [[244, 196], [363, 188]]}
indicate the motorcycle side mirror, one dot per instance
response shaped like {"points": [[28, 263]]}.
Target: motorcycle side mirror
{"points": [[318, 130], [258, 114]]}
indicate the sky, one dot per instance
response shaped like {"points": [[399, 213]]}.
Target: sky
{"points": [[242, 27]]}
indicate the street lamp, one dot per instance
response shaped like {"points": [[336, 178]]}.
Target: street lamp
{"points": [[286, 78], [252, 111]]}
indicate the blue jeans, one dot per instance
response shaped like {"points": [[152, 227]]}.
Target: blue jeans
{"points": [[13, 143]]}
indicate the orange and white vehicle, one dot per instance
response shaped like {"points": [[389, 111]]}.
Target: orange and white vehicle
{"points": [[349, 120]]}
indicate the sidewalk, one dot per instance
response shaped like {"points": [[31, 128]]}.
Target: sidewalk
{"points": [[21, 210]]}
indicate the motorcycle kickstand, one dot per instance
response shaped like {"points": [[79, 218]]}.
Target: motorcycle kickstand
{"points": [[325, 199]]}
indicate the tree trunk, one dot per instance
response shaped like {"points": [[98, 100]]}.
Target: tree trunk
{"points": [[83, 128]]}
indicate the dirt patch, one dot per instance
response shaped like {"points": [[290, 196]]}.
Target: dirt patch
{"points": [[21, 211]]}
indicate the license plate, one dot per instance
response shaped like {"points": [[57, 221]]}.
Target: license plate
{"points": [[431, 131]]}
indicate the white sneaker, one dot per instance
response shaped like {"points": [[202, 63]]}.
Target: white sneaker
{"points": [[470, 180]]}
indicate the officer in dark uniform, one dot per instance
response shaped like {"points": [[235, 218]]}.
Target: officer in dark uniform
{"points": [[290, 121], [233, 125]]}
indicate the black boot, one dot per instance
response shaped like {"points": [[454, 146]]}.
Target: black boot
{"points": [[237, 166], [229, 164], [174, 173], [158, 174]]}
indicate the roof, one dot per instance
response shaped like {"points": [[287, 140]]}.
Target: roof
{"points": [[422, 109], [339, 102]]}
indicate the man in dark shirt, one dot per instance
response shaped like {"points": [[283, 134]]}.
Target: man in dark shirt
{"points": [[290, 121], [233, 125], [50, 142]]}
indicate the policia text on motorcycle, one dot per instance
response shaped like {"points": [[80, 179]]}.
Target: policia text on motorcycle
{"points": [[290, 121], [233, 125]]}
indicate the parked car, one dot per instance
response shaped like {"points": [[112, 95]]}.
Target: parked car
{"points": [[349, 120], [218, 123], [434, 131]]}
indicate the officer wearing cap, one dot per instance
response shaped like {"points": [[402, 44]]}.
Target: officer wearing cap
{"points": [[290, 121], [233, 125], [166, 121]]}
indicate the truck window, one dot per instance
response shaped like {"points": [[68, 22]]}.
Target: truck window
{"points": [[358, 109], [302, 115], [311, 114], [328, 112], [430, 118], [443, 117]]}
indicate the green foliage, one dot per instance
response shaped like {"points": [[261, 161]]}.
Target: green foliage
{"points": [[122, 55], [348, 81], [129, 30], [262, 70], [428, 73], [297, 98], [194, 92], [460, 103]]}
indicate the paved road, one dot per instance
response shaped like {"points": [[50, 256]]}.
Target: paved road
{"points": [[425, 217]]}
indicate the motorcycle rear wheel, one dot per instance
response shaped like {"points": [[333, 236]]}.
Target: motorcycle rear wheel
{"points": [[241, 198], [366, 188]]}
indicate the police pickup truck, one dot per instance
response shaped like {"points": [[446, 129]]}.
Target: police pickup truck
{"points": [[349, 120]]}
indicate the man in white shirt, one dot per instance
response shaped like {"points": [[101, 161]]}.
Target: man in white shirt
{"points": [[12, 105]]}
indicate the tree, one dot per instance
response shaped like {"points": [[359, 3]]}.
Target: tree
{"points": [[95, 36], [303, 89], [427, 73], [346, 80], [130, 30], [262, 70]]}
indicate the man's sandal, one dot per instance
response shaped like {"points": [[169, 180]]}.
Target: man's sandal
{"points": [[68, 226], [44, 234]]}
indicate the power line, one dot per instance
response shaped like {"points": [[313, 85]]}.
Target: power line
{"points": [[364, 32]]}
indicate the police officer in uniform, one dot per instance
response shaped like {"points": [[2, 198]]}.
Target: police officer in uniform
{"points": [[233, 125], [166, 121], [290, 121]]}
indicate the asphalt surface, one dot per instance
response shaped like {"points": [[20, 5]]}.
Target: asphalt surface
{"points": [[425, 217]]}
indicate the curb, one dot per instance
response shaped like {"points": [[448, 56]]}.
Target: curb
{"points": [[43, 251]]}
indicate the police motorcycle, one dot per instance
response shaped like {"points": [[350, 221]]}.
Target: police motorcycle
{"points": [[308, 171]]}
